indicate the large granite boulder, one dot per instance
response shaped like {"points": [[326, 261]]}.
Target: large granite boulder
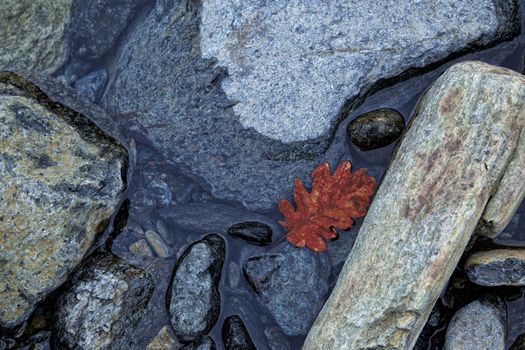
{"points": [[248, 94], [464, 139], [61, 178], [33, 34]]}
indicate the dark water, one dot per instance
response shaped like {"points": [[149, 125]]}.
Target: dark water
{"points": [[157, 186]]}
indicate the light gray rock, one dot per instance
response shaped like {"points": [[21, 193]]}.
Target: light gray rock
{"points": [[464, 133], [248, 94], [502, 267], [92, 85], [106, 299], [479, 325], [33, 33], [61, 178]]}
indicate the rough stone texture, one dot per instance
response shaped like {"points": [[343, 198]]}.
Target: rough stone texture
{"points": [[194, 300], [248, 94], [253, 232], [479, 325], [32, 34], [92, 85], [61, 178], [292, 282], [235, 335], [205, 344], [497, 268], [376, 129], [97, 24], [463, 135], [105, 300], [163, 341]]}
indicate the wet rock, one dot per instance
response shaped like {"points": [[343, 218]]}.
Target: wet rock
{"points": [[163, 341], [141, 247], [519, 343], [259, 100], [376, 129], [292, 282], [205, 344], [194, 300], [234, 275], [479, 325], [502, 267], [276, 339], [61, 179], [159, 246], [427, 208], [97, 24], [32, 34], [105, 300], [235, 335], [253, 232], [92, 85]]}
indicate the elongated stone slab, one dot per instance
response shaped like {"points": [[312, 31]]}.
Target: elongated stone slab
{"points": [[464, 135]]}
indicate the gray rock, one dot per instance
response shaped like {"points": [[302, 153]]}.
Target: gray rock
{"points": [[479, 325], [502, 267], [376, 129], [205, 344], [32, 34], [97, 24], [140, 247], [235, 336], [92, 85], [194, 300], [292, 283], [61, 179], [157, 243], [465, 134], [248, 95], [104, 302], [253, 232]]}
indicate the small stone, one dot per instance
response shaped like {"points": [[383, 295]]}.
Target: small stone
{"points": [[92, 85], [205, 344], [158, 244], [252, 231], [376, 129], [141, 247], [501, 267], [194, 300], [163, 341], [235, 335], [479, 325], [105, 300], [519, 343], [165, 232]]}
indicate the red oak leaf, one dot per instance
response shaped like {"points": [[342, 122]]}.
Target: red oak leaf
{"points": [[332, 203]]}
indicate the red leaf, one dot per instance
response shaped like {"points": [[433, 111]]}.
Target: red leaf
{"points": [[333, 202]]}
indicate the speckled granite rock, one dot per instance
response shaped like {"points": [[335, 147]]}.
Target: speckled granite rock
{"points": [[235, 335], [103, 303], [479, 325], [248, 94], [292, 283], [206, 343], [32, 34], [194, 299], [92, 85], [426, 209], [61, 178], [502, 267]]}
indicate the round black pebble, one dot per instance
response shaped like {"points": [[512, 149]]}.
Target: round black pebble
{"points": [[376, 129], [253, 232]]}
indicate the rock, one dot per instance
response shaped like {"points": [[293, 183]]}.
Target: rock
{"points": [[254, 104], [253, 232], [92, 85], [163, 341], [32, 34], [205, 344], [159, 246], [97, 24], [235, 335], [194, 300], [61, 179], [426, 209], [479, 325], [104, 302], [502, 267], [234, 275], [519, 343], [376, 129], [141, 247], [292, 282]]}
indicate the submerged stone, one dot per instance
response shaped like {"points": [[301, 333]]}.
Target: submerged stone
{"points": [[519, 343], [92, 85], [235, 335], [376, 129], [502, 267], [253, 232], [61, 178]]}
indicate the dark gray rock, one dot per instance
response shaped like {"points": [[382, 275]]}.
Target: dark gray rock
{"points": [[205, 344], [92, 85], [501, 267], [519, 343], [235, 335], [376, 129], [96, 25], [249, 106], [194, 299], [103, 303], [292, 282], [253, 232]]}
